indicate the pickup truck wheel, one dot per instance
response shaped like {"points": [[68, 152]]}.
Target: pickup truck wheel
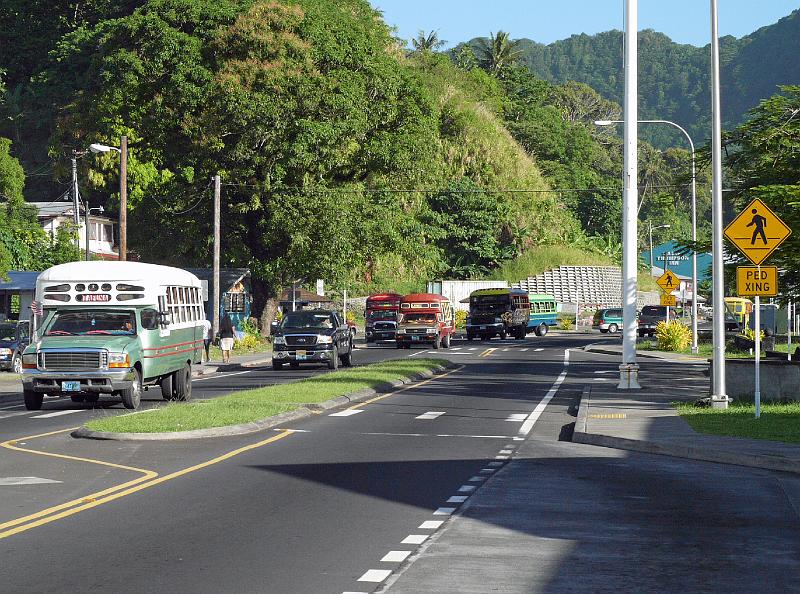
{"points": [[502, 335], [133, 395], [183, 383], [333, 362], [168, 387], [347, 360], [33, 400], [16, 364], [77, 398], [276, 366]]}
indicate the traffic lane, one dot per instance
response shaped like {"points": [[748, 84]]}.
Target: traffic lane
{"points": [[609, 520], [379, 489]]}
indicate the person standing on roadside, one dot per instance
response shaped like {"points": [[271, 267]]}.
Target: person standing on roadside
{"points": [[207, 338], [226, 337]]}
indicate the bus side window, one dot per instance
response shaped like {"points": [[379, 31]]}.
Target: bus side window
{"points": [[150, 319]]}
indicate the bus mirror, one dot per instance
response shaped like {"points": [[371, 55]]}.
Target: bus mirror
{"points": [[163, 318]]}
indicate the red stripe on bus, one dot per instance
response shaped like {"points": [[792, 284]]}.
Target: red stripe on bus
{"points": [[177, 344], [168, 354]]}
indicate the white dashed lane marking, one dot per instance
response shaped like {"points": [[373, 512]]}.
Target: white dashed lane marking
{"points": [[538, 350], [415, 539], [430, 415], [457, 499], [466, 488], [431, 524], [477, 479], [346, 413], [58, 413], [517, 418], [375, 576], [444, 511], [13, 481], [395, 556]]}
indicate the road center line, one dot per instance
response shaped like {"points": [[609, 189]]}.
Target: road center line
{"points": [[537, 412]]}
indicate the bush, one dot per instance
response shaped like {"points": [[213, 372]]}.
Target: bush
{"points": [[566, 323], [673, 336], [750, 334], [461, 319], [248, 342]]}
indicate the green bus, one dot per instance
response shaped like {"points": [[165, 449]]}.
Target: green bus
{"points": [[112, 328], [543, 314]]}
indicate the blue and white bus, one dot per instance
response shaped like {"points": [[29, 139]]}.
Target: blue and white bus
{"points": [[543, 313]]}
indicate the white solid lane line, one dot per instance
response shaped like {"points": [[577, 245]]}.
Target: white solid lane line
{"points": [[415, 539], [375, 575], [12, 407], [431, 524], [538, 350], [12, 481], [346, 413], [430, 415], [217, 376], [418, 353], [59, 413], [18, 413], [522, 350], [395, 556], [506, 452], [537, 412], [517, 417], [473, 348]]}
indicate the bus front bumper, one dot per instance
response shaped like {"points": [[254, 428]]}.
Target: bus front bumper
{"points": [[90, 382], [484, 329]]}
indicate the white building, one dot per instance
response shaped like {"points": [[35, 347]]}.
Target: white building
{"points": [[102, 241]]}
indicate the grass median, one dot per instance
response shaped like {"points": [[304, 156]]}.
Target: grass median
{"points": [[779, 421], [259, 403]]}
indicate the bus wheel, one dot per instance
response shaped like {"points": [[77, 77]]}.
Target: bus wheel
{"points": [[183, 383], [541, 330], [133, 395], [446, 342], [167, 387], [33, 400], [437, 343], [502, 334]]}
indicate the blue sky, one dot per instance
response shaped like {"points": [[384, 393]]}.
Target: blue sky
{"points": [[545, 21]]}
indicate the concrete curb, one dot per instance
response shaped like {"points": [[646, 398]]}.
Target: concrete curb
{"points": [[260, 425], [646, 355], [702, 453]]}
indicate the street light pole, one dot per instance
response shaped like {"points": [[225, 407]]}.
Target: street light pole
{"points": [[694, 217], [629, 369], [76, 217], [719, 395], [123, 198]]}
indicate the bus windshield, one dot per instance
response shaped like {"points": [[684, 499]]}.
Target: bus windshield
{"points": [[419, 318], [490, 303], [92, 323]]}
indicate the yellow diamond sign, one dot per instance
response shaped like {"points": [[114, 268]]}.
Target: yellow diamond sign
{"points": [[668, 282], [757, 232]]}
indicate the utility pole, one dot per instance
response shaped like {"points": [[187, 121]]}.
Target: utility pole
{"points": [[215, 288], [76, 214], [123, 198], [719, 395], [86, 228], [629, 369]]}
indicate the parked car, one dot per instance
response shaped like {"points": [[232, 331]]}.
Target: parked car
{"points": [[353, 328], [14, 337], [608, 320], [312, 336], [650, 316]]}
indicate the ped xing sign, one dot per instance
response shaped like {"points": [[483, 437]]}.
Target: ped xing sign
{"points": [[757, 232], [668, 282], [757, 281], [669, 300]]}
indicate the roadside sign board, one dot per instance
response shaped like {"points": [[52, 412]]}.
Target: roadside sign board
{"points": [[668, 282], [757, 281], [669, 300], [757, 232]]}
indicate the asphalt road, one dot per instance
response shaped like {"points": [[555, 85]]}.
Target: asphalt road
{"points": [[333, 503]]}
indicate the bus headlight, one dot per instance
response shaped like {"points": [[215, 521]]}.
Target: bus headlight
{"points": [[118, 360], [29, 361]]}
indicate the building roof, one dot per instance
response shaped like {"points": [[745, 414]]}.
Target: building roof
{"points": [[19, 281], [227, 276], [52, 210], [303, 296]]}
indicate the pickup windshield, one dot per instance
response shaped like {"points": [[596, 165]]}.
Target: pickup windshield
{"points": [[92, 323], [381, 314], [304, 319]]}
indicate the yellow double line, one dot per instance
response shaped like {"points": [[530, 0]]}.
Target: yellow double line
{"points": [[487, 352], [148, 479]]}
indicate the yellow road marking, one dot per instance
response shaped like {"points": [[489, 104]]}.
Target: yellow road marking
{"points": [[96, 499], [487, 352], [609, 416], [403, 389]]}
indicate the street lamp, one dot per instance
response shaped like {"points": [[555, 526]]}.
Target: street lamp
{"points": [[123, 189], [650, 225], [694, 218]]}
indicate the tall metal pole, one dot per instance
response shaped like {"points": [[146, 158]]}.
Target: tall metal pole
{"points": [[215, 281], [695, 348], [629, 370], [123, 198], [757, 340], [76, 216], [719, 395], [86, 226], [650, 228]]}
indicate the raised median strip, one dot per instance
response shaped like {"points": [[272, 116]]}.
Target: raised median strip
{"points": [[699, 447], [258, 409]]}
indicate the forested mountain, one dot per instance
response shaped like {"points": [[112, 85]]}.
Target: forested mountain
{"points": [[674, 79]]}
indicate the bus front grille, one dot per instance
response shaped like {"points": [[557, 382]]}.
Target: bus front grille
{"points": [[72, 360]]}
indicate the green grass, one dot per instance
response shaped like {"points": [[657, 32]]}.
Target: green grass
{"points": [[252, 405], [704, 349], [778, 422]]}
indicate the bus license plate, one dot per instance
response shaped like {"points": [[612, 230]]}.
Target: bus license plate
{"points": [[414, 338], [70, 386], [301, 355]]}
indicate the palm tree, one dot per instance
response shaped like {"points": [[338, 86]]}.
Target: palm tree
{"points": [[427, 42], [498, 52]]}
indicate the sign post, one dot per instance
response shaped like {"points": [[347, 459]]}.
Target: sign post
{"points": [[668, 282], [757, 232]]}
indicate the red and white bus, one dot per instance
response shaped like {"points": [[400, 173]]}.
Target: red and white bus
{"points": [[381, 316], [426, 319]]}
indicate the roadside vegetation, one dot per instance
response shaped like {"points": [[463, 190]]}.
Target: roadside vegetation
{"points": [[780, 421], [253, 405]]}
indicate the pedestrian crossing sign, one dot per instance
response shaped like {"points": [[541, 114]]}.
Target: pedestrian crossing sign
{"points": [[668, 282], [757, 232], [669, 300]]}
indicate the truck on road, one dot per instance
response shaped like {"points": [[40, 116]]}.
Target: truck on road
{"points": [[381, 316], [426, 319], [498, 312]]}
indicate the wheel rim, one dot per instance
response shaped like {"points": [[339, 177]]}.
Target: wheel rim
{"points": [[17, 366]]}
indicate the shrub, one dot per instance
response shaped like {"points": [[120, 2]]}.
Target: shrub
{"points": [[461, 319], [248, 342], [566, 323], [750, 334], [673, 336]]}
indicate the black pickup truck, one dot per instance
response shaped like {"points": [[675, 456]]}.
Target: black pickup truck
{"points": [[312, 336], [650, 316]]}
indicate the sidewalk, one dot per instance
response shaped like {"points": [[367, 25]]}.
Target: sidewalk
{"points": [[237, 363], [616, 349]]}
